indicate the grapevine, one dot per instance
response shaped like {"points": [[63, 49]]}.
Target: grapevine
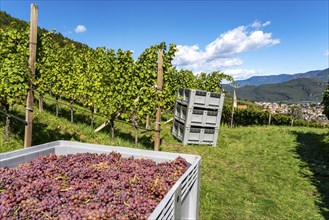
{"points": [[14, 69]]}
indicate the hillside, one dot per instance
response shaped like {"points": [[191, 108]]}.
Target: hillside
{"points": [[7, 20], [259, 172], [261, 80], [294, 91]]}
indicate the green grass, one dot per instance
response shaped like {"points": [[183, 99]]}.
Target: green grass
{"points": [[255, 172], [259, 173]]}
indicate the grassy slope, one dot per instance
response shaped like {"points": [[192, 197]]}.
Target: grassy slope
{"points": [[254, 173], [261, 173]]}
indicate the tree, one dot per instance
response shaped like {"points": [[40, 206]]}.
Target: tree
{"points": [[145, 98], [47, 65], [14, 55], [70, 72], [212, 82], [175, 80], [325, 102], [296, 112], [94, 69], [119, 85]]}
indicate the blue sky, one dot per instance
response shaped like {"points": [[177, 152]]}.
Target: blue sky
{"points": [[241, 38]]}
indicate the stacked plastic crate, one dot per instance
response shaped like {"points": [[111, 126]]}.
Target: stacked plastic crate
{"points": [[197, 116]]}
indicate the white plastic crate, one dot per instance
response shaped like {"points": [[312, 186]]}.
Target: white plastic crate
{"points": [[198, 116], [194, 135], [181, 202], [198, 98]]}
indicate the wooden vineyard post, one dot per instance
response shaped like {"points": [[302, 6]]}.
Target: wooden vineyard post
{"points": [[40, 103], [32, 60], [158, 111], [7, 123], [234, 105], [147, 123], [232, 117]]}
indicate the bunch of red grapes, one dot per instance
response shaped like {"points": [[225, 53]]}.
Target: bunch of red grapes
{"points": [[86, 186]]}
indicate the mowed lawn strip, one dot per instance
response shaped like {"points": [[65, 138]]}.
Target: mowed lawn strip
{"points": [[256, 173]]}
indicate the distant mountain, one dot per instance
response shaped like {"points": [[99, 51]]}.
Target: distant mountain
{"points": [[294, 91], [261, 80]]}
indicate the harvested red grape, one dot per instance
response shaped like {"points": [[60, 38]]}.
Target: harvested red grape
{"points": [[86, 186]]}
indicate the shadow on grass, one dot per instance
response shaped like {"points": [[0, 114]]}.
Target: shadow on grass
{"points": [[65, 112], [314, 150], [146, 140], [42, 133], [84, 117]]}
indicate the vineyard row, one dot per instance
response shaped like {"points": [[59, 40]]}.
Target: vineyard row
{"points": [[101, 79]]}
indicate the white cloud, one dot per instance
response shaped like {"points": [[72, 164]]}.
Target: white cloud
{"points": [[327, 53], [239, 74], [267, 23], [222, 51], [80, 29], [256, 24]]}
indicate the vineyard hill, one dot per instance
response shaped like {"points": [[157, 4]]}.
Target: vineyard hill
{"points": [[298, 90]]}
